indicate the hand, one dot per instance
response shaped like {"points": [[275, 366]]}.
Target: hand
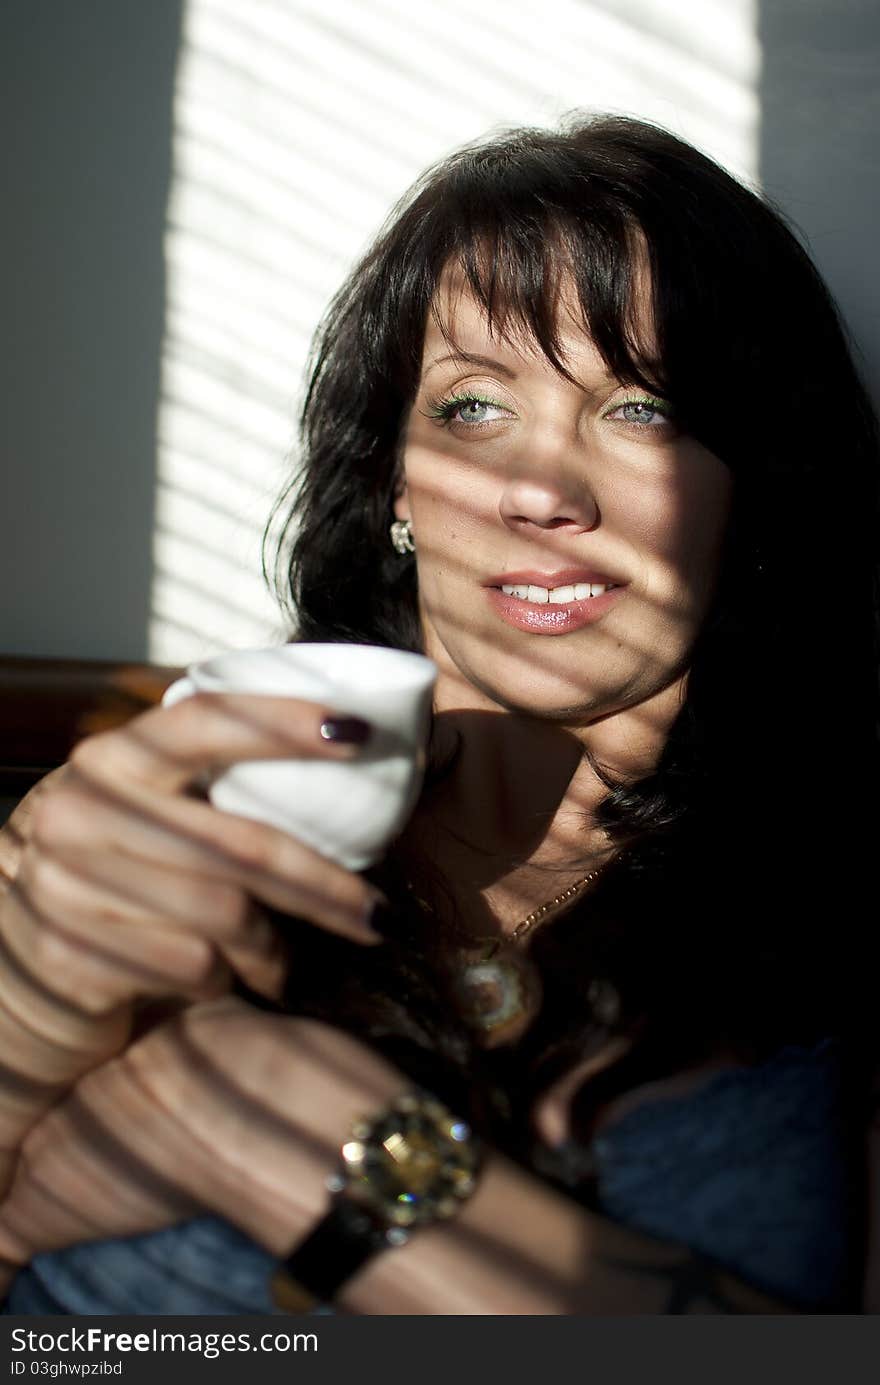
{"points": [[127, 886], [224, 1108]]}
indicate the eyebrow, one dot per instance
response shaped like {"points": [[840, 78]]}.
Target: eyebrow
{"points": [[468, 358]]}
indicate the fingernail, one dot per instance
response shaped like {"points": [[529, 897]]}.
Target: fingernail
{"points": [[379, 917], [345, 730]]}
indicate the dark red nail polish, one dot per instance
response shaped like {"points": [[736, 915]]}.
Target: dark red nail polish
{"points": [[345, 730]]}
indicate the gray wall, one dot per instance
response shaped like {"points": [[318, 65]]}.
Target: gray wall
{"points": [[87, 94], [820, 147]]}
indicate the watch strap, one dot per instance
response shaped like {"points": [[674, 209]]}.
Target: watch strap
{"points": [[341, 1243]]}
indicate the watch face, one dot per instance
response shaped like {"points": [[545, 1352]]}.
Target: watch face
{"points": [[412, 1164]]}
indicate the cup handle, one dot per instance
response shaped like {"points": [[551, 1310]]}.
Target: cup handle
{"points": [[177, 691]]}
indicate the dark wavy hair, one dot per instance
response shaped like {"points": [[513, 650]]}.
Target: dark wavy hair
{"points": [[739, 912]]}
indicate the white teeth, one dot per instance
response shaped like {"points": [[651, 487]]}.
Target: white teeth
{"points": [[558, 596]]}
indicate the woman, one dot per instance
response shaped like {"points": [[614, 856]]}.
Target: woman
{"points": [[583, 427]]}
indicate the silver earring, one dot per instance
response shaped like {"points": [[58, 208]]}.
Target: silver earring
{"points": [[402, 537]]}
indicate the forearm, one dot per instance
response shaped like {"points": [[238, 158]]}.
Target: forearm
{"points": [[37, 1070], [518, 1247], [230, 1110]]}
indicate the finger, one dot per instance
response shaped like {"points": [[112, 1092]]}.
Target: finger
{"points": [[191, 836], [262, 972], [85, 910], [50, 1018], [74, 978], [111, 885], [169, 748], [106, 901], [181, 954]]}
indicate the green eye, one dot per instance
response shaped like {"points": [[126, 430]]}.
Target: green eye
{"points": [[468, 409], [474, 411], [643, 412]]}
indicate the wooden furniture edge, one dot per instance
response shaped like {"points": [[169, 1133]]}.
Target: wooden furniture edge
{"points": [[47, 705]]}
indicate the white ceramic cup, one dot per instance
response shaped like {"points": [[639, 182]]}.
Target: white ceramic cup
{"points": [[347, 810]]}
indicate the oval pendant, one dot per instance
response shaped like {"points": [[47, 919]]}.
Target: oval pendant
{"points": [[497, 995]]}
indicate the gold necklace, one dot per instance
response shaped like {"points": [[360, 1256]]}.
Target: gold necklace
{"points": [[519, 931], [527, 924]]}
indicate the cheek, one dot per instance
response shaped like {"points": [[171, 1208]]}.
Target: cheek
{"points": [[447, 504], [444, 491], [681, 521]]}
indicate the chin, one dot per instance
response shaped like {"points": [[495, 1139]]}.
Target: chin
{"points": [[553, 701], [512, 683]]}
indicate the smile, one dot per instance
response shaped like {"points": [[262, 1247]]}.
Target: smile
{"points": [[552, 610]]}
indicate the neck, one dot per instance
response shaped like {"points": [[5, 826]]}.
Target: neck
{"points": [[517, 776], [513, 823]]}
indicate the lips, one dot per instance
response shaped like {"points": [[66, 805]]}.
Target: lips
{"points": [[552, 617]]}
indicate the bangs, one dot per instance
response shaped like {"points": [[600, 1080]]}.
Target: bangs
{"points": [[530, 280], [533, 257]]}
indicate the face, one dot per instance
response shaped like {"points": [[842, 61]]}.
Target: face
{"points": [[568, 538]]}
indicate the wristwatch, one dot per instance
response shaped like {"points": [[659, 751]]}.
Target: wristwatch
{"points": [[411, 1165]]}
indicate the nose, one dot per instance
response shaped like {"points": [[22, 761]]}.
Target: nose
{"points": [[549, 494]]}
